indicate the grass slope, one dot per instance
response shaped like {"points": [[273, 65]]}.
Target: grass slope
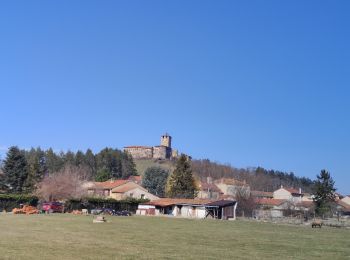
{"points": [[75, 237], [143, 164]]}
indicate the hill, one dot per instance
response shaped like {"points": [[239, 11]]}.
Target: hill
{"points": [[258, 178], [143, 164]]}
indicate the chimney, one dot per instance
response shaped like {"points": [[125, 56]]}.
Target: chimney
{"points": [[300, 191]]}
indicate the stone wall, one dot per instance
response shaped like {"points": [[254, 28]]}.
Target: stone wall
{"points": [[140, 152], [162, 152], [165, 140]]}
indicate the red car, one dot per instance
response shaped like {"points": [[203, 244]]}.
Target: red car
{"points": [[52, 207]]}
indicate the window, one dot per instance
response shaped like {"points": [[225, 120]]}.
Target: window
{"points": [[142, 196], [131, 195]]}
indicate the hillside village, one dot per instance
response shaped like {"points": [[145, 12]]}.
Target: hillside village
{"points": [[282, 202], [125, 175]]}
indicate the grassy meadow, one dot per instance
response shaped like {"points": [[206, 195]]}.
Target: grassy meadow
{"points": [[143, 164], [65, 236]]}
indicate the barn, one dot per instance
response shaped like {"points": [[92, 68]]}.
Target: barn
{"points": [[190, 208], [221, 209]]}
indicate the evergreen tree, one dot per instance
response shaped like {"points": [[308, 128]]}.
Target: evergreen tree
{"points": [[79, 159], [181, 183], [90, 161], [68, 158], [15, 170], [54, 162], [36, 163], [154, 180], [110, 161], [128, 166], [103, 175], [324, 192]]}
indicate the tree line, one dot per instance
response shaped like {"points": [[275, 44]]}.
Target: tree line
{"points": [[22, 170], [258, 178]]}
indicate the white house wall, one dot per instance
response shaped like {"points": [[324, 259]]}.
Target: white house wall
{"points": [[346, 200], [137, 192]]}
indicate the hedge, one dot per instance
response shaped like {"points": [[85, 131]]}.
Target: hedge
{"points": [[100, 203], [11, 201]]}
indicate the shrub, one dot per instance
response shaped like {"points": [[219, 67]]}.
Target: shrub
{"points": [[99, 203], [11, 201]]}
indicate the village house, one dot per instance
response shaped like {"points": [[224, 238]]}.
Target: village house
{"points": [[282, 201], [190, 208], [261, 194], [208, 190], [291, 194], [307, 197], [343, 207], [137, 179], [231, 187], [119, 189], [346, 200], [269, 208]]}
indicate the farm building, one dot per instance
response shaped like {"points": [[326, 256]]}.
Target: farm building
{"points": [[222, 209], [190, 208]]}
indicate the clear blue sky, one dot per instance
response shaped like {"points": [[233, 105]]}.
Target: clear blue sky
{"points": [[250, 83]]}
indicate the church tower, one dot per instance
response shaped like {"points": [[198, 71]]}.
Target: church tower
{"points": [[165, 140]]}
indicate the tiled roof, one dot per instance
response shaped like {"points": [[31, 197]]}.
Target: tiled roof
{"points": [[127, 187], [269, 202], [110, 184], [305, 204], [222, 203], [136, 179], [204, 186], [169, 202], [258, 193], [292, 190], [343, 205]]}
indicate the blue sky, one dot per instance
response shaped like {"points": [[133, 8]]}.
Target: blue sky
{"points": [[258, 83]]}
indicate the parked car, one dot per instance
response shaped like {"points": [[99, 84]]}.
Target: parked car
{"points": [[52, 207], [123, 213]]}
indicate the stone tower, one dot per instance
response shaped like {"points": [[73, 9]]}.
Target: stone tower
{"points": [[165, 140]]}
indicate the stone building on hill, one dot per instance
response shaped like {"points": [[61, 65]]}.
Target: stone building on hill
{"points": [[162, 151]]}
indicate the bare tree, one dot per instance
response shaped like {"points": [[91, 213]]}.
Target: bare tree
{"points": [[246, 203], [65, 184]]}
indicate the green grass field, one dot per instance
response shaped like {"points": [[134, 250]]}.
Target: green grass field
{"points": [[67, 236]]}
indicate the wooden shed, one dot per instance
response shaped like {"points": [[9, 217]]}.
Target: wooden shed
{"points": [[221, 209]]}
